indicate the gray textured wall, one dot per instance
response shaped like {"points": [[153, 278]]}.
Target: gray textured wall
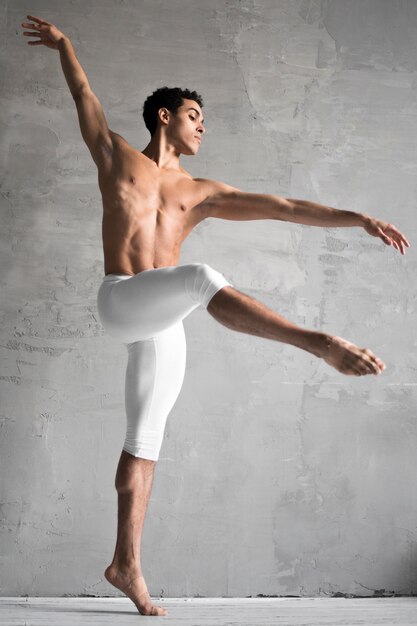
{"points": [[277, 474]]}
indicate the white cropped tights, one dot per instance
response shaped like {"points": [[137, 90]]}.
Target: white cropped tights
{"points": [[145, 312]]}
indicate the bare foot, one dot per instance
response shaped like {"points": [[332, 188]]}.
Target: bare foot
{"points": [[133, 584], [349, 359]]}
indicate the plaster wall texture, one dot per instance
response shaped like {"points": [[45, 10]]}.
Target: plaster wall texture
{"points": [[277, 474]]}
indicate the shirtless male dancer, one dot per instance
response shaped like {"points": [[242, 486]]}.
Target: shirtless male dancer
{"points": [[151, 204]]}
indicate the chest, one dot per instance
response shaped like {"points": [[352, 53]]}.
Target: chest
{"points": [[135, 181]]}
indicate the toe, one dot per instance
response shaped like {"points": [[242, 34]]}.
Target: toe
{"points": [[158, 611]]}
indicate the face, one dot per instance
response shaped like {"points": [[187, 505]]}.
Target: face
{"points": [[185, 129]]}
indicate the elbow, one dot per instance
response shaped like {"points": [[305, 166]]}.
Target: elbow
{"points": [[79, 91], [285, 208]]}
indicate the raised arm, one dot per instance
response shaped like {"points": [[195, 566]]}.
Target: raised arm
{"points": [[93, 124], [230, 203]]}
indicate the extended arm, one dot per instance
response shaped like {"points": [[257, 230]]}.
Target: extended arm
{"points": [[227, 202], [93, 124]]}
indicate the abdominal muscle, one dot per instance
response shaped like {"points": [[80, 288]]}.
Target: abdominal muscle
{"points": [[130, 250]]}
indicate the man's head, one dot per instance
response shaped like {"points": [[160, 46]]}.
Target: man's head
{"points": [[177, 113]]}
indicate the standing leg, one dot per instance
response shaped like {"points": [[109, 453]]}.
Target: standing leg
{"points": [[240, 312], [154, 377], [134, 481]]}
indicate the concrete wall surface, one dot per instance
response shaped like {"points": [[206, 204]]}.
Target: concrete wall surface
{"points": [[277, 475]]}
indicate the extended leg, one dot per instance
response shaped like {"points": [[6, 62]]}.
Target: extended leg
{"points": [[240, 312]]}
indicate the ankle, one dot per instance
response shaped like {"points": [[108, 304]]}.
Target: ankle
{"points": [[318, 343], [126, 565]]}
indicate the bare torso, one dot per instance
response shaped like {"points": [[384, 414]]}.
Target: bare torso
{"points": [[147, 211]]}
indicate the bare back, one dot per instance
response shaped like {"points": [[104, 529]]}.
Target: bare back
{"points": [[147, 211]]}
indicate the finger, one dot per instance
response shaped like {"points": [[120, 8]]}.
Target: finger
{"points": [[389, 239], [28, 34], [399, 235], [394, 229], [35, 43], [393, 243], [29, 25], [384, 237], [37, 19], [401, 244], [399, 247], [397, 238]]}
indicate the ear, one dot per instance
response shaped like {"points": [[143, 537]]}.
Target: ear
{"points": [[163, 115]]}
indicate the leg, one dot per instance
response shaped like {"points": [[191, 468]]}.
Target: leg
{"points": [[240, 312], [154, 377], [140, 307], [145, 312], [134, 481]]}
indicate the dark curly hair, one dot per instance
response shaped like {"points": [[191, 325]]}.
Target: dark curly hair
{"points": [[170, 98]]}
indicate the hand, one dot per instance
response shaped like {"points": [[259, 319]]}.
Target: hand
{"points": [[48, 34], [387, 232]]}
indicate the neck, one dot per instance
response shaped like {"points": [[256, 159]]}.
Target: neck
{"points": [[163, 153]]}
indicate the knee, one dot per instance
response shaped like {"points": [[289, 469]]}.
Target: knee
{"points": [[132, 471], [206, 282], [200, 272], [204, 271]]}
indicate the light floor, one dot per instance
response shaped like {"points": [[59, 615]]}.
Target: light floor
{"points": [[211, 612]]}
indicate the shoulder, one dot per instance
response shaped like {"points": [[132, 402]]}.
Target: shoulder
{"points": [[207, 184], [119, 141], [214, 186], [213, 194], [123, 149], [123, 145]]}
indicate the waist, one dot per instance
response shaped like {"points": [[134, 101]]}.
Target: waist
{"points": [[108, 278], [114, 277]]}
